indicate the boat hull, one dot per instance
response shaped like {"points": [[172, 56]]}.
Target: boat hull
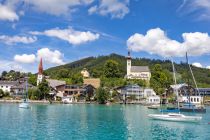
{"points": [[181, 118], [24, 105]]}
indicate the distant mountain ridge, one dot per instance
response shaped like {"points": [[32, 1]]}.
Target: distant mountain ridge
{"points": [[95, 67]]}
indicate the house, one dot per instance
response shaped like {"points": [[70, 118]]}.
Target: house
{"points": [[57, 87], [137, 72], [19, 89], [85, 73], [148, 92], [183, 89], [76, 93], [95, 82], [136, 93], [153, 99], [187, 94], [6, 85]]}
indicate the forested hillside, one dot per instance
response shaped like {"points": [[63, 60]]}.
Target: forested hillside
{"points": [[95, 66]]}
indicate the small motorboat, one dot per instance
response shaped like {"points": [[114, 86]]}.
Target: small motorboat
{"points": [[153, 107], [175, 117]]}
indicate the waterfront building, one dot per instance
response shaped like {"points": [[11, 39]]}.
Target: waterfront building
{"points": [[40, 75], [75, 93], [57, 87], [136, 93], [85, 73], [6, 85], [19, 89], [137, 72], [153, 99]]}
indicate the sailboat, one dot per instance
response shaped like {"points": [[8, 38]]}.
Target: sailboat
{"points": [[178, 117], [25, 103], [194, 103]]}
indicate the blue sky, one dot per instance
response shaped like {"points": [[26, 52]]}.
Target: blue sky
{"points": [[61, 31]]}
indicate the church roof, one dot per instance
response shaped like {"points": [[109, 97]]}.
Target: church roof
{"points": [[140, 69]]}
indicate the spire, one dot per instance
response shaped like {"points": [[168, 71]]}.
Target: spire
{"points": [[129, 55], [40, 67]]}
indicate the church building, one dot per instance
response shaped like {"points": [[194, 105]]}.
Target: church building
{"points": [[40, 75], [137, 72]]}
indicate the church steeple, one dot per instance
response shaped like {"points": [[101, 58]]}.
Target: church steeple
{"points": [[40, 67], [128, 64], [40, 73]]}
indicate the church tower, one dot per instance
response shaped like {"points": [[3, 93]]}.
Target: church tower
{"points": [[40, 73], [128, 64]]}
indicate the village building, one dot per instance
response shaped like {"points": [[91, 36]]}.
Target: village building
{"points": [[77, 93], [19, 89], [40, 75], [95, 82], [57, 87], [15, 88], [85, 73], [137, 72], [187, 94], [135, 93], [6, 85]]}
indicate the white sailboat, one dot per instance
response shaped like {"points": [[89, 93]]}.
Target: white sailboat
{"points": [[25, 103], [175, 116]]}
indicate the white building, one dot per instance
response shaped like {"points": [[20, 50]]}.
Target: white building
{"points": [[153, 100], [85, 73], [148, 92], [137, 72], [6, 85]]}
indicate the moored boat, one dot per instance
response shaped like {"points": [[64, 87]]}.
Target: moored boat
{"points": [[175, 117]]}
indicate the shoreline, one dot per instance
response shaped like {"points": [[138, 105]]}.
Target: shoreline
{"points": [[60, 102]]}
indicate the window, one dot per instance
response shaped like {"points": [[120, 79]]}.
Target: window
{"points": [[6, 86], [197, 99]]}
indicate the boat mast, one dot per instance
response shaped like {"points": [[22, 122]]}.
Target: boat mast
{"points": [[176, 91], [188, 80]]}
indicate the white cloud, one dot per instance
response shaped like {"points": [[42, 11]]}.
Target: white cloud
{"points": [[156, 42], [115, 8], [6, 65], [56, 7], [53, 57], [7, 13], [196, 64], [25, 58], [17, 39], [208, 67], [72, 36], [199, 8]]}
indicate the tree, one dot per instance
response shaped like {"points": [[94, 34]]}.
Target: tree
{"points": [[32, 79], [3, 74], [160, 79], [101, 95], [77, 78], [35, 94], [111, 69], [44, 88], [1, 93]]}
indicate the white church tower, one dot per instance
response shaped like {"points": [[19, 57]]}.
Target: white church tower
{"points": [[128, 64], [40, 75]]}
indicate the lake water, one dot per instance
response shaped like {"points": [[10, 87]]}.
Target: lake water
{"points": [[93, 122]]}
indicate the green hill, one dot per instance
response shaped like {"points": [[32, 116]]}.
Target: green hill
{"points": [[95, 66]]}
